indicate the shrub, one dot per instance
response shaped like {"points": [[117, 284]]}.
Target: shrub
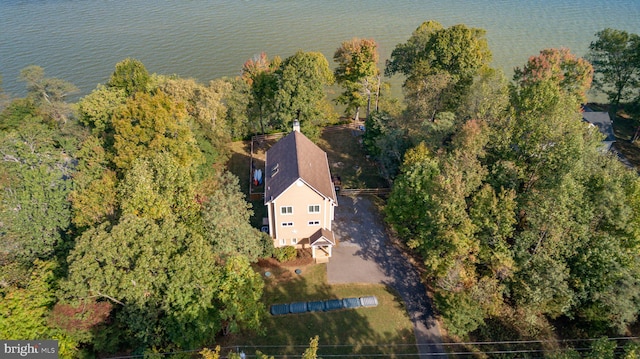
{"points": [[460, 313], [285, 254], [268, 250]]}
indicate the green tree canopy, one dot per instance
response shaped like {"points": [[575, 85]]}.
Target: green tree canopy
{"points": [[152, 236], [302, 78], [225, 218], [358, 73], [34, 208], [238, 103], [406, 57], [148, 124], [206, 112], [24, 311], [259, 74], [131, 76], [615, 56], [518, 214], [457, 50], [157, 187], [149, 219], [439, 65], [96, 110], [165, 281]]}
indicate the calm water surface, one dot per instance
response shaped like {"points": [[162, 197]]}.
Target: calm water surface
{"points": [[81, 40]]}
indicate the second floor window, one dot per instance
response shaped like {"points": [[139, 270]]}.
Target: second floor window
{"points": [[314, 208], [286, 210]]}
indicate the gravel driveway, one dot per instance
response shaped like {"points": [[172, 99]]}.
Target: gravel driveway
{"points": [[364, 254]]}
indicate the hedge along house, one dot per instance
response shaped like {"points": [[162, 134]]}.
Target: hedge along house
{"points": [[299, 195]]}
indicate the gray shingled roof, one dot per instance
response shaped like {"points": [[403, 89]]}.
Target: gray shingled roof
{"points": [[296, 157], [323, 236], [602, 121]]}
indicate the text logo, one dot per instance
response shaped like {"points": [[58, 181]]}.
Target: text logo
{"points": [[32, 349]]}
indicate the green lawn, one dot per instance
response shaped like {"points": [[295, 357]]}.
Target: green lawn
{"points": [[385, 329], [624, 127], [239, 163], [348, 159]]}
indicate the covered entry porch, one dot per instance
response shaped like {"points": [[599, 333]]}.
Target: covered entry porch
{"points": [[322, 243]]}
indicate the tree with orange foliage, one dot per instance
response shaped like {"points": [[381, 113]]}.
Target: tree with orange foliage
{"points": [[572, 74]]}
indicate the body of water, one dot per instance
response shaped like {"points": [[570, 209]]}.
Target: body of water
{"points": [[81, 40]]}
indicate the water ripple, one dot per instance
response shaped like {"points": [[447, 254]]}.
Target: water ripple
{"points": [[81, 41]]}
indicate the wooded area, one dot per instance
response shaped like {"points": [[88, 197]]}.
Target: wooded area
{"points": [[123, 231]]}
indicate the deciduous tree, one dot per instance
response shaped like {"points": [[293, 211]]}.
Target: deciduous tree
{"points": [[615, 56], [18, 113], [166, 283], [448, 58], [131, 76], [406, 58], [237, 101], [24, 311], [49, 94], [207, 117], [259, 73], [519, 209], [225, 221], [96, 110], [386, 141], [302, 78], [573, 75], [34, 208], [148, 124], [488, 97], [158, 187], [358, 73]]}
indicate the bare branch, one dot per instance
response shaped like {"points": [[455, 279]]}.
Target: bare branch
{"points": [[109, 297]]}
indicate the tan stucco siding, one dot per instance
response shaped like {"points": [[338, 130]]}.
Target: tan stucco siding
{"points": [[298, 197], [272, 227]]}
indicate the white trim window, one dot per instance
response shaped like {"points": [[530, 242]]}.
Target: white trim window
{"points": [[287, 224], [314, 223], [294, 240], [286, 210], [283, 241], [314, 208]]}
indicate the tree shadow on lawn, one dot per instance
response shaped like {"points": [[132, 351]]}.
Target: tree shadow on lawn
{"points": [[348, 159], [361, 331], [359, 219], [239, 163]]}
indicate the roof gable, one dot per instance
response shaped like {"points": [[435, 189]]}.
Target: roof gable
{"points": [[322, 237], [296, 157], [602, 121]]}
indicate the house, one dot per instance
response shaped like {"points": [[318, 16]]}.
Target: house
{"points": [[603, 122], [300, 195]]}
